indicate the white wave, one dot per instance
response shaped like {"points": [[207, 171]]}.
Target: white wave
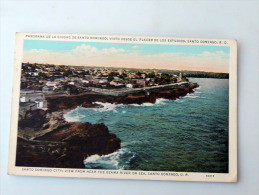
{"points": [[194, 96], [106, 107], [73, 115], [69, 118], [197, 88], [142, 105], [161, 101], [116, 160], [191, 95]]}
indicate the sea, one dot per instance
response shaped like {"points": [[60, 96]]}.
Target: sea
{"points": [[189, 134]]}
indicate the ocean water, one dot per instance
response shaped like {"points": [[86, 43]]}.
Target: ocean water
{"points": [[189, 134]]}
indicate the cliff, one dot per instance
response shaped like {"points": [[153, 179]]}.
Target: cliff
{"points": [[58, 143], [61, 102]]}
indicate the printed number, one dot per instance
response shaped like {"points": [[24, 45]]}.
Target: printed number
{"points": [[209, 175]]}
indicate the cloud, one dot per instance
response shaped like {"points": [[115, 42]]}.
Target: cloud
{"points": [[135, 47], [217, 54], [85, 49], [113, 57]]}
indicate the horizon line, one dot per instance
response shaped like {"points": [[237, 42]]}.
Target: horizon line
{"points": [[126, 67]]}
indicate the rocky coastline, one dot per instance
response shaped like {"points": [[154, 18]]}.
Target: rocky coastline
{"points": [[88, 99], [45, 139], [61, 144]]}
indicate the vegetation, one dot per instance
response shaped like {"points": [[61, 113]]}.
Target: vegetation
{"points": [[207, 75]]}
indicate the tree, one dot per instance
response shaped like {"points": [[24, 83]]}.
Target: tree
{"points": [[70, 88]]}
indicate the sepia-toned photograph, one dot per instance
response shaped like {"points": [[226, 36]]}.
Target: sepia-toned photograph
{"points": [[135, 105]]}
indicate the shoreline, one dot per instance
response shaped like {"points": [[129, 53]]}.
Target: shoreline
{"points": [[87, 99], [46, 139]]}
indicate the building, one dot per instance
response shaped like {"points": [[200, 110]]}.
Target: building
{"points": [[179, 78], [41, 104], [26, 106], [115, 83], [88, 77], [129, 85], [48, 89], [53, 84], [96, 81], [102, 81], [31, 100], [141, 83], [85, 81], [143, 75], [35, 73], [31, 96], [50, 69]]}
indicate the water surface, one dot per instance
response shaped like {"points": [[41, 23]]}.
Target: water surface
{"points": [[189, 134]]}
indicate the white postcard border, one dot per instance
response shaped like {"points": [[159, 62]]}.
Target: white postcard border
{"points": [[125, 174]]}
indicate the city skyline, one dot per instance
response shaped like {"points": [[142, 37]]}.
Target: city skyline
{"points": [[125, 55]]}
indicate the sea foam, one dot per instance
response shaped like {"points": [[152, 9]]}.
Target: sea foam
{"points": [[117, 160], [73, 115]]}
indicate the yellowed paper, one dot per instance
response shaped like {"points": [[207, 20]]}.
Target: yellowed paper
{"points": [[124, 107]]}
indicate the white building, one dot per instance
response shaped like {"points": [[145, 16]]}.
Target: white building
{"points": [[85, 81], [30, 100], [41, 104], [103, 81], [48, 89], [129, 85], [35, 74], [31, 96], [52, 84], [116, 83], [179, 78]]}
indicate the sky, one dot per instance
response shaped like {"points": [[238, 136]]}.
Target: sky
{"points": [[128, 55]]}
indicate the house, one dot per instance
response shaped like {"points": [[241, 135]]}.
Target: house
{"points": [[96, 81], [102, 81], [129, 85], [143, 75], [31, 96], [50, 69], [141, 83], [35, 74], [25, 106], [88, 77], [48, 89], [41, 104], [52, 84], [115, 83], [179, 78], [31, 100], [85, 81]]}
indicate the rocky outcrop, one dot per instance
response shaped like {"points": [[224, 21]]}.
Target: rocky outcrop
{"points": [[87, 99], [58, 143]]}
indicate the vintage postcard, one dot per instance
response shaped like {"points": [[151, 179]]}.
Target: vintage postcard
{"points": [[124, 107]]}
